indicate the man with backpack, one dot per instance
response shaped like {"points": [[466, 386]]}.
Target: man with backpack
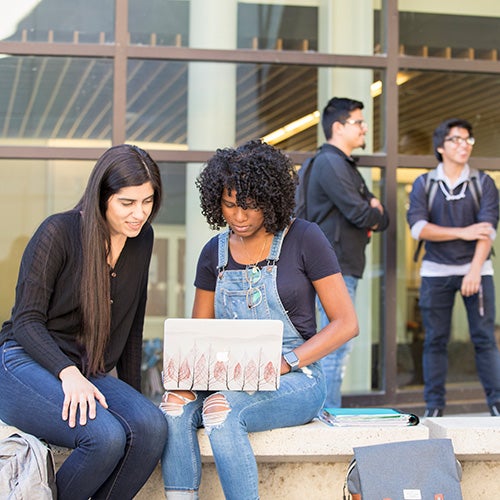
{"points": [[338, 200], [454, 209]]}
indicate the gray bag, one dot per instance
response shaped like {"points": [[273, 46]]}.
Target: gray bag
{"points": [[27, 470], [410, 470]]}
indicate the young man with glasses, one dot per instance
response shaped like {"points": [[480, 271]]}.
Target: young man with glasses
{"points": [[458, 229], [339, 201]]}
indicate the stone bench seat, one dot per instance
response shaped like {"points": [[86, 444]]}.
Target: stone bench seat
{"points": [[311, 461]]}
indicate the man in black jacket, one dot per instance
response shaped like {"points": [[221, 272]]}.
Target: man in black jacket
{"points": [[339, 201]]}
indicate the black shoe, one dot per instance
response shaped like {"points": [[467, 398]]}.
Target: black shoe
{"points": [[433, 412], [495, 409]]}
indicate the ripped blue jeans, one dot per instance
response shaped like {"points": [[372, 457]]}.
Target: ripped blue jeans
{"points": [[228, 417]]}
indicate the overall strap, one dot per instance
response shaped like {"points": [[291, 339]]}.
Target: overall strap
{"points": [[223, 245], [275, 250], [223, 252]]}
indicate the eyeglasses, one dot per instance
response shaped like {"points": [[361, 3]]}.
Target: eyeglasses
{"points": [[359, 123], [254, 295], [456, 139]]}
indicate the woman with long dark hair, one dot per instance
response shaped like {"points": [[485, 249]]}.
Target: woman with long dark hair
{"points": [[79, 314]]}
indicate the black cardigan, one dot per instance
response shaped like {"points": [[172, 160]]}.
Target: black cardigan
{"points": [[46, 315]]}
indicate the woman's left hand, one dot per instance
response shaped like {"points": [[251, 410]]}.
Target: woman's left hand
{"points": [[285, 367]]}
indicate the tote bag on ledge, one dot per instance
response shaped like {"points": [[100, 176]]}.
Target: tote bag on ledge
{"points": [[410, 470]]}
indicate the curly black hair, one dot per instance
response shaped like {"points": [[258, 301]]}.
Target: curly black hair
{"points": [[262, 177]]}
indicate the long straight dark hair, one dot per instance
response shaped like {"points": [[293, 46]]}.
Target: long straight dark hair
{"points": [[120, 166]]}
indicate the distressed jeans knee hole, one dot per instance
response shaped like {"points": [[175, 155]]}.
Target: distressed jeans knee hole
{"points": [[172, 403], [215, 411]]}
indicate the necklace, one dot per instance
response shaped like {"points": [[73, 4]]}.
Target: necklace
{"points": [[259, 258], [452, 197]]}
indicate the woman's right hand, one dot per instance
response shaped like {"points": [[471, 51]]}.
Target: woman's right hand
{"points": [[79, 395]]}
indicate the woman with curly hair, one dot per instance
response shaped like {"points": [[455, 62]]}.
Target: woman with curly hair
{"points": [[285, 262], [79, 313]]}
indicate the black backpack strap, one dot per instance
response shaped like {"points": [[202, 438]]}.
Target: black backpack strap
{"points": [[417, 251], [304, 179], [430, 192], [476, 187]]}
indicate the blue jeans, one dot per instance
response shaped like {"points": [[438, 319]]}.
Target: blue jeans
{"points": [[296, 402], [114, 454], [437, 296], [334, 364]]}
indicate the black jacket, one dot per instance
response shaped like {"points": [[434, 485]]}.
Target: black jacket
{"points": [[338, 200]]}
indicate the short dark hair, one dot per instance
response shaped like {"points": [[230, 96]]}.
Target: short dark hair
{"points": [[442, 131], [338, 109], [261, 175]]}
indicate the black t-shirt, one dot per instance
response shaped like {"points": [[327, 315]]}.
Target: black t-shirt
{"points": [[306, 256]]}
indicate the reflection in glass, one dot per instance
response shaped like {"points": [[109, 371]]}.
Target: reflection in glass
{"points": [[427, 98], [59, 21], [159, 22], [279, 103], [55, 98], [31, 190], [281, 27], [266, 26], [365, 367], [157, 102], [435, 34]]}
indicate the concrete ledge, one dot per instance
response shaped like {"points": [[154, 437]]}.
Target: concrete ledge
{"points": [[474, 438], [312, 460], [317, 442]]}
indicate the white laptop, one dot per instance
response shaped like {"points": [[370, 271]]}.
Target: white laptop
{"points": [[222, 354]]}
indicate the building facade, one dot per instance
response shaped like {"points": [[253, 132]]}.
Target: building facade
{"points": [[182, 78]]}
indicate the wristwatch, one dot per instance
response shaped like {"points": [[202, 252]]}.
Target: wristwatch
{"points": [[292, 360]]}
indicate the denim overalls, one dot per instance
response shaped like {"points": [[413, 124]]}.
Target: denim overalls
{"points": [[232, 288], [297, 401]]}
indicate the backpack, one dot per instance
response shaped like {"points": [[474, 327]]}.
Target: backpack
{"points": [[421, 469], [27, 469], [301, 190], [431, 186]]}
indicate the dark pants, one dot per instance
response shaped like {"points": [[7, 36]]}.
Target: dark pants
{"points": [[437, 296]]}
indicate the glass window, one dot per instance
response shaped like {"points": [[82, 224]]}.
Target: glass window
{"points": [[157, 103], [236, 103], [365, 368], [276, 25], [433, 30], [427, 98], [159, 22], [55, 100], [59, 21], [31, 190], [166, 295], [272, 25]]}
